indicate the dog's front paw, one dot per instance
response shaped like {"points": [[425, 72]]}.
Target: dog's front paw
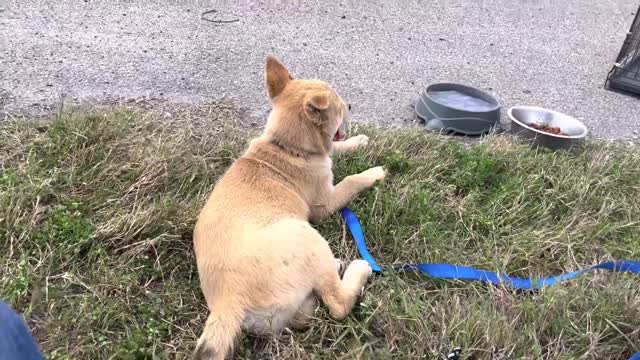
{"points": [[377, 173], [360, 140]]}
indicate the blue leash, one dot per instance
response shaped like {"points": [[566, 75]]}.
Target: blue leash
{"points": [[448, 271]]}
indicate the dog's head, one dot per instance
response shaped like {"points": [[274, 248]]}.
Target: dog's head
{"points": [[307, 115]]}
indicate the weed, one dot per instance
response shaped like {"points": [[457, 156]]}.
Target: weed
{"points": [[97, 210]]}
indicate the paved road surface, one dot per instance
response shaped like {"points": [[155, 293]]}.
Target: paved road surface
{"points": [[378, 54]]}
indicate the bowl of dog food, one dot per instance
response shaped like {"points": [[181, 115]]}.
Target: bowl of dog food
{"points": [[449, 107], [548, 128]]}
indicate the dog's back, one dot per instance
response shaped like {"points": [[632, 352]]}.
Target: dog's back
{"points": [[260, 262], [240, 235]]}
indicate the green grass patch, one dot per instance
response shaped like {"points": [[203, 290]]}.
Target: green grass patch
{"points": [[97, 210]]}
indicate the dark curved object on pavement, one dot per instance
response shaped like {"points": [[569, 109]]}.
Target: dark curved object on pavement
{"points": [[625, 74]]}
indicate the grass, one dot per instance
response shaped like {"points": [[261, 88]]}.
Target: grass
{"points": [[97, 209]]}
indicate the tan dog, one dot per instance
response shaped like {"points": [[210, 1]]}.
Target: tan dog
{"points": [[261, 264]]}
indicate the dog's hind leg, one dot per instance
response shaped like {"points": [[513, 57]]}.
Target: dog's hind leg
{"points": [[313, 269], [347, 190], [340, 295]]}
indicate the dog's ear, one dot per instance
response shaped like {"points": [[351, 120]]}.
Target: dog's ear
{"points": [[317, 102], [276, 76]]}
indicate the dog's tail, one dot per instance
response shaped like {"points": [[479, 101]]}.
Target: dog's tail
{"points": [[219, 335]]}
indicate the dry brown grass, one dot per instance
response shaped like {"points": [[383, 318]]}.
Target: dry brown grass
{"points": [[97, 209]]}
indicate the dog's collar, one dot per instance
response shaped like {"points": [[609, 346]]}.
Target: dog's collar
{"points": [[291, 150]]}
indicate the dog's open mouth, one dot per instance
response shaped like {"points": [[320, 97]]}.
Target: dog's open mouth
{"points": [[341, 133]]}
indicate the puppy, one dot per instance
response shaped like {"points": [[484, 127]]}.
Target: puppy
{"points": [[262, 266]]}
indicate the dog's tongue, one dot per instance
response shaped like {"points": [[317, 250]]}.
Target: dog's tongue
{"points": [[338, 137]]}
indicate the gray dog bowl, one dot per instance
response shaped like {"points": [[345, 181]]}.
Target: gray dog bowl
{"points": [[448, 107], [523, 116]]}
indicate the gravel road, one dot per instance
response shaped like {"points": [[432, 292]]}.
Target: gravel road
{"points": [[378, 54]]}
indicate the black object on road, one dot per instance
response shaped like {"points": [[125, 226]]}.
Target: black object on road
{"points": [[625, 74]]}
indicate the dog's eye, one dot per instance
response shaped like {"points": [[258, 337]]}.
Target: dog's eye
{"points": [[349, 107]]}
